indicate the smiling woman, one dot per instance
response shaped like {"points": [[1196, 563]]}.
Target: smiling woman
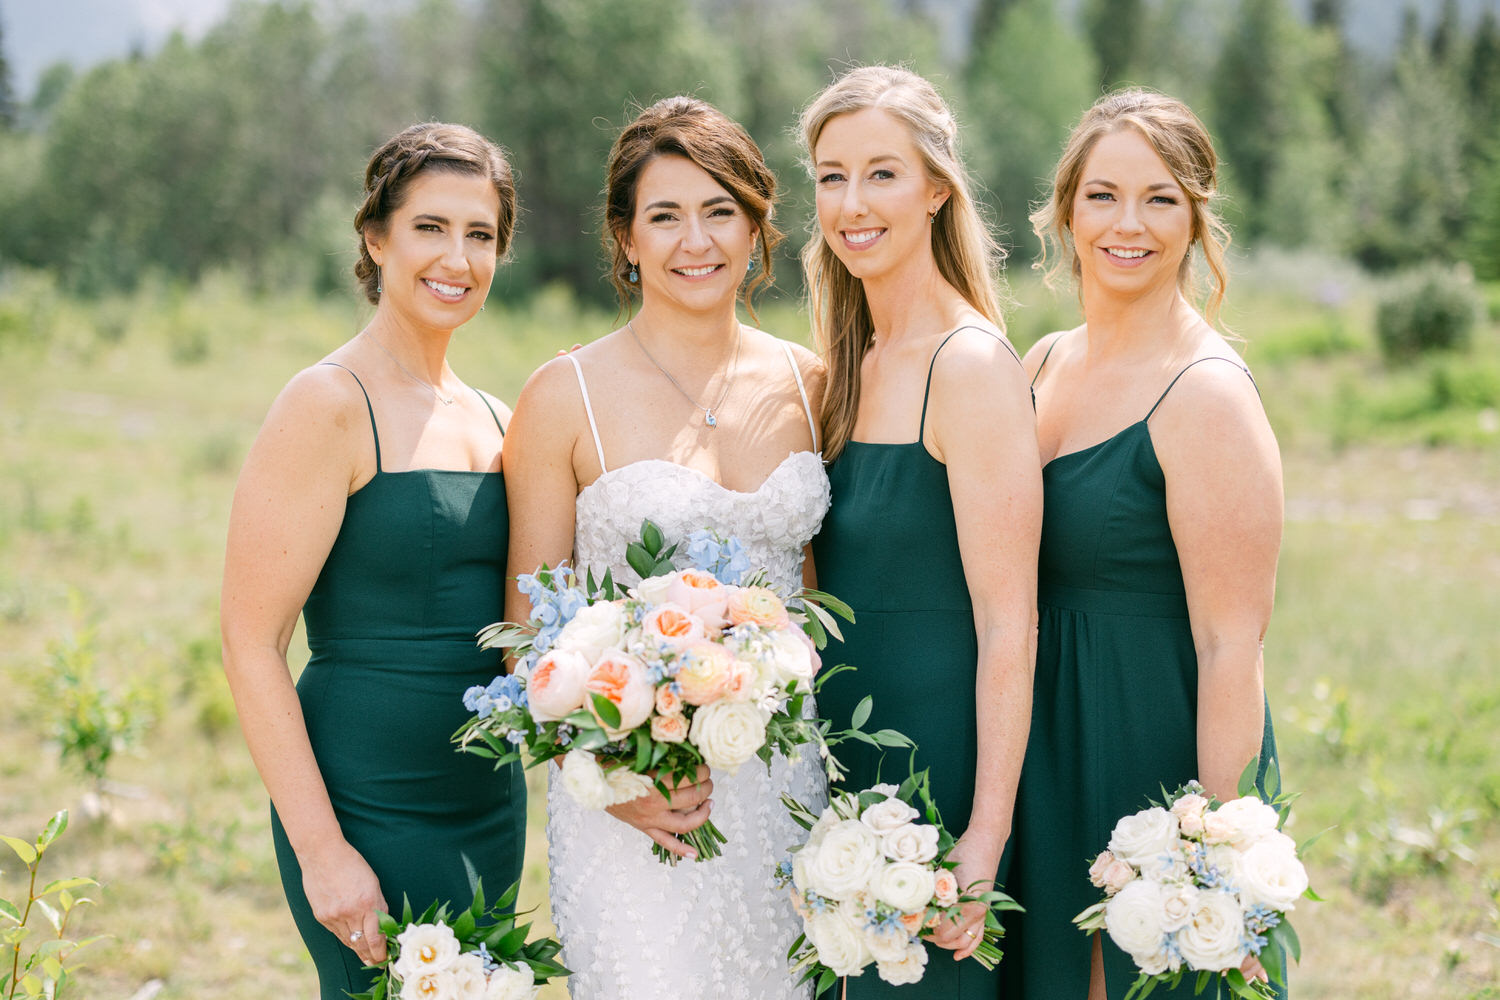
{"points": [[372, 503]]}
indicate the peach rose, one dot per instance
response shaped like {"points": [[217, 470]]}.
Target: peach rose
{"points": [[701, 594], [622, 679], [673, 625], [755, 606], [913, 922], [704, 672], [668, 702], [669, 728], [557, 685], [945, 887]]}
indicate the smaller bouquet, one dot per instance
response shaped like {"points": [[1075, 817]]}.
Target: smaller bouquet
{"points": [[871, 881], [700, 665], [1195, 885], [482, 954]]}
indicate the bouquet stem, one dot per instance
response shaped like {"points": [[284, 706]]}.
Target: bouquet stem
{"points": [[706, 840]]}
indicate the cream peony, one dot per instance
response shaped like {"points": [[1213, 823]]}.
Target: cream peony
{"points": [[594, 629], [839, 943], [625, 785], [622, 679], [1241, 822], [511, 983], [1269, 873], [846, 860], [556, 687], [728, 733], [1214, 936], [1133, 918], [910, 969], [911, 842], [1143, 835], [891, 814], [430, 984], [424, 948], [467, 972], [584, 779], [906, 885]]}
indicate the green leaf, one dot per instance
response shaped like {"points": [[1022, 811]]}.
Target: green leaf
{"points": [[608, 711], [651, 537], [63, 884], [1270, 956], [50, 912], [55, 826], [639, 559], [815, 631], [1289, 938], [861, 712], [1202, 983], [826, 620], [23, 850], [1247, 777], [463, 927]]}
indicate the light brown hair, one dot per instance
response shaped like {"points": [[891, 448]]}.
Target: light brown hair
{"points": [[966, 253], [407, 154]]}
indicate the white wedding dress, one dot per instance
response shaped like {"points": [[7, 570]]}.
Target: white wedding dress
{"points": [[633, 928]]}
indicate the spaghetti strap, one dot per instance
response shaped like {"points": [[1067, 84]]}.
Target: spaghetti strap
{"points": [[1050, 348], [926, 393], [1238, 364], [487, 406], [812, 424], [588, 408], [374, 433]]}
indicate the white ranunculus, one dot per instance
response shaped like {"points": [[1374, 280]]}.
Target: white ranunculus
{"points": [[909, 970], [1271, 874], [1249, 819], [1177, 905], [888, 815], [468, 976], [625, 785], [790, 659], [425, 948], [846, 860], [511, 983], [728, 733], [584, 779], [839, 943], [430, 984], [906, 885], [653, 590], [888, 943], [1143, 835], [911, 842], [1157, 962], [1133, 918], [1214, 938], [594, 629]]}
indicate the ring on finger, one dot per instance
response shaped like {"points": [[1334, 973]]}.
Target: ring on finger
{"points": [[969, 935], [355, 936]]}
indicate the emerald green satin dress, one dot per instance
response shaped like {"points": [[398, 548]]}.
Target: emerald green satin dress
{"points": [[417, 569]]}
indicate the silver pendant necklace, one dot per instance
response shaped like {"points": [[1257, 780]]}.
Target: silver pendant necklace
{"points": [[445, 400], [708, 411]]}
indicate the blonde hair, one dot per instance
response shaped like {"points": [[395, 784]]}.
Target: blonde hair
{"points": [[1183, 144], [966, 253]]}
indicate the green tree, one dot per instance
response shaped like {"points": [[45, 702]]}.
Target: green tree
{"points": [[7, 96], [1179, 48], [1114, 32], [1482, 249], [1247, 98]]}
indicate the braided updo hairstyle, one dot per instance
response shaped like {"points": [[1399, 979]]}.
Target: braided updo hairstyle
{"points": [[431, 146]]}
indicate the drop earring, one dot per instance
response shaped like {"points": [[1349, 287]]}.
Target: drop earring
{"points": [[379, 287], [633, 276]]}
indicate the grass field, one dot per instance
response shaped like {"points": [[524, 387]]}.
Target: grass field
{"points": [[123, 422]]}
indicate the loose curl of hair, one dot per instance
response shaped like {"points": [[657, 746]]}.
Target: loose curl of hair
{"points": [[1183, 144], [406, 155], [966, 253], [696, 130]]}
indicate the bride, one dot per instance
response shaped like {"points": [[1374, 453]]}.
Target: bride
{"points": [[690, 418]]}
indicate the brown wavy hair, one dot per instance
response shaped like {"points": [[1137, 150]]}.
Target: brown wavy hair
{"points": [[966, 252], [695, 129], [1184, 145], [406, 155]]}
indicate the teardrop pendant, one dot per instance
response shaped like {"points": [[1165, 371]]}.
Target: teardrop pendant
{"points": [[710, 419]]}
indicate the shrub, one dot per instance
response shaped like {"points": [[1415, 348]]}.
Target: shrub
{"points": [[1430, 309]]}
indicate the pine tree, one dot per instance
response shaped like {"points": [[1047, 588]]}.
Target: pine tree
{"points": [[1247, 113], [1114, 31], [1446, 41], [7, 97]]}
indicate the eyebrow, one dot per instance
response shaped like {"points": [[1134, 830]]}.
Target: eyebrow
{"points": [[883, 157], [440, 220], [716, 200], [1159, 185]]}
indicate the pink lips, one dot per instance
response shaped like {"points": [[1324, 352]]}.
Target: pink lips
{"points": [[874, 237]]}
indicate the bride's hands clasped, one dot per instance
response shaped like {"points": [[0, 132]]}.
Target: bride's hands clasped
{"points": [[663, 819]]}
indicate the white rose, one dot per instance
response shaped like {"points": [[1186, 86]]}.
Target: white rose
{"points": [[790, 659], [839, 943], [511, 983], [1170, 867], [728, 733], [846, 860], [430, 984], [1213, 939], [584, 779], [1249, 818], [594, 629], [1177, 905], [468, 976], [1189, 811], [653, 590], [909, 970], [1157, 962], [1270, 873], [905, 885], [886, 943], [1144, 835], [888, 790], [1133, 918], [425, 948], [801, 878], [625, 785], [911, 842], [556, 685], [891, 814]]}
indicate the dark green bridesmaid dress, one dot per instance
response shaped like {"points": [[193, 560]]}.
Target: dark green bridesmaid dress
{"points": [[417, 569], [889, 547], [1115, 704]]}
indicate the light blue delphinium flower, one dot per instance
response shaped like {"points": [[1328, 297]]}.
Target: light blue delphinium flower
{"points": [[477, 700]]}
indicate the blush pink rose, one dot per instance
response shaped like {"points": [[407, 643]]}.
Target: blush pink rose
{"points": [[945, 887], [557, 685], [668, 702]]}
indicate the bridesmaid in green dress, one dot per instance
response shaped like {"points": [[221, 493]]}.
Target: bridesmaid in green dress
{"points": [[1159, 545], [372, 501], [932, 535]]}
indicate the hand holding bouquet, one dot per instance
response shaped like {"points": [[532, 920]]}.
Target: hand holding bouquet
{"points": [[480, 955], [636, 689], [871, 881], [1193, 885]]}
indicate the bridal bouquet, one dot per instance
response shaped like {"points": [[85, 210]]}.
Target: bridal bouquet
{"points": [[480, 955], [1193, 885], [702, 665], [871, 881]]}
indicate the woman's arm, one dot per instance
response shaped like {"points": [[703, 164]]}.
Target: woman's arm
{"points": [[541, 488], [981, 418], [1224, 504], [288, 506]]}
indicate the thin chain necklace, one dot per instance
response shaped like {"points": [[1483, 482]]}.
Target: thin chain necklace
{"points": [[445, 400], [708, 411]]}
